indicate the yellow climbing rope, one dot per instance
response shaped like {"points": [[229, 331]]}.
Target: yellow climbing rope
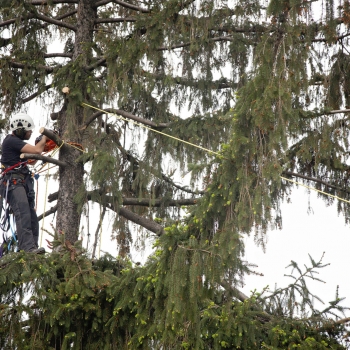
{"points": [[315, 189], [154, 130]]}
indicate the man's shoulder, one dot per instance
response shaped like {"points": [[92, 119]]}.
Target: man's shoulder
{"points": [[13, 140]]}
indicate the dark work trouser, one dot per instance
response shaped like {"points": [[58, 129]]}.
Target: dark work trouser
{"points": [[25, 216]]}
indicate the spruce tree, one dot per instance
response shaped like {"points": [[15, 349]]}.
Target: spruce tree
{"points": [[243, 95]]}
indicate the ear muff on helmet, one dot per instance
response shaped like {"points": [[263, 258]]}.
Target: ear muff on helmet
{"points": [[20, 133], [21, 121]]}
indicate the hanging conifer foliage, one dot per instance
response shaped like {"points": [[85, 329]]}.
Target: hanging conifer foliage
{"points": [[239, 97]]}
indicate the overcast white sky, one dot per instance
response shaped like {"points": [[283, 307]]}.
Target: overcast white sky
{"points": [[322, 231]]}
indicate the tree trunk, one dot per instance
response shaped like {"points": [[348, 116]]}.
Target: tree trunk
{"points": [[71, 118]]}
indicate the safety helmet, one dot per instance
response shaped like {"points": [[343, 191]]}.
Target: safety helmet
{"points": [[21, 120]]}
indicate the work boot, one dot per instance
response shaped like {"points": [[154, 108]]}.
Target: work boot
{"points": [[40, 250]]}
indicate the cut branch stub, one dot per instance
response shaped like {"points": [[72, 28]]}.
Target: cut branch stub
{"points": [[54, 116], [51, 135], [53, 197]]}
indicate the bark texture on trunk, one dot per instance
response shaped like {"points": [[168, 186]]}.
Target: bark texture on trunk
{"points": [[71, 178]]}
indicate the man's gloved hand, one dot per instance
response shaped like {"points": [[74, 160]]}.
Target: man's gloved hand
{"points": [[38, 139], [49, 145]]}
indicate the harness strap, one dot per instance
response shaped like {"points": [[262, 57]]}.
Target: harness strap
{"points": [[19, 165]]}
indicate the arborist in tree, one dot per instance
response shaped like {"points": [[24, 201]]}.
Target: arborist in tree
{"points": [[17, 185]]}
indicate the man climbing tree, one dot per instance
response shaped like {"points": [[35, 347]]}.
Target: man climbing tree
{"points": [[188, 120], [17, 187]]}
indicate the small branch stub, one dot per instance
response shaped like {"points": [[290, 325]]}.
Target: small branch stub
{"points": [[65, 90], [54, 116]]}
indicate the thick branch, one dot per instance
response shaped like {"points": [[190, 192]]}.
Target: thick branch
{"points": [[144, 202], [315, 114], [217, 84], [55, 22], [316, 180], [115, 20], [9, 21], [58, 115], [31, 97], [182, 188], [129, 215], [342, 321], [222, 83], [67, 14], [52, 197], [47, 69], [98, 63], [131, 7], [139, 220], [139, 120], [252, 29], [147, 202], [48, 212], [43, 158], [102, 2], [329, 326], [61, 54], [234, 291], [339, 111], [13, 20], [126, 115], [178, 46], [4, 42], [46, 2]]}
